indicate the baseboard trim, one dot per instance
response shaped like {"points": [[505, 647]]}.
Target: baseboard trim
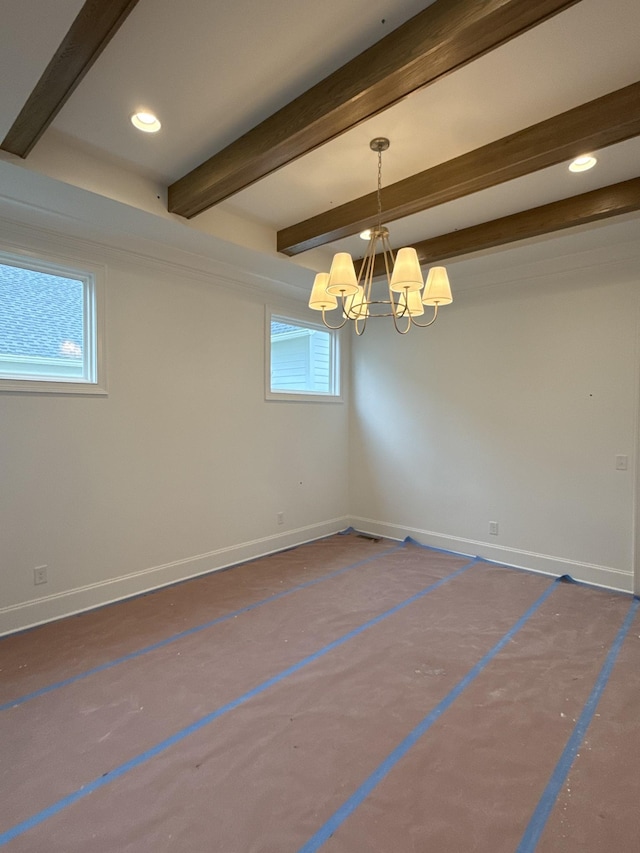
{"points": [[48, 608], [29, 614], [595, 575]]}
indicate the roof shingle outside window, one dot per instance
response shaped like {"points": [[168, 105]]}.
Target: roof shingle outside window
{"points": [[40, 314]]}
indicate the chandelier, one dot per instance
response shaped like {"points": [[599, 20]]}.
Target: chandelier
{"points": [[406, 293]]}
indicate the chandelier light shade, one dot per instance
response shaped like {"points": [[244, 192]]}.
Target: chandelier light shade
{"points": [[437, 290], [342, 276], [407, 274], [320, 298], [405, 295]]}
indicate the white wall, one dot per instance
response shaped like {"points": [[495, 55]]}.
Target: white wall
{"points": [[512, 408], [180, 469]]}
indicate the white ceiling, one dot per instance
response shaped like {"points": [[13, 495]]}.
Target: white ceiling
{"points": [[211, 71]]}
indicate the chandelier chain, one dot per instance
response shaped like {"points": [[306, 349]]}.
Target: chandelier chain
{"points": [[379, 189]]}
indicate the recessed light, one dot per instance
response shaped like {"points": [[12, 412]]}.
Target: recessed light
{"points": [[145, 121], [581, 164]]}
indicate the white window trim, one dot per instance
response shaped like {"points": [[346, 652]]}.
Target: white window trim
{"points": [[93, 279], [336, 361]]}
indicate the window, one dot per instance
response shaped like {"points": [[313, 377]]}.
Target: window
{"points": [[302, 360], [49, 334]]}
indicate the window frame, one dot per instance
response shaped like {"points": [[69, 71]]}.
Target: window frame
{"points": [[92, 277], [335, 360]]}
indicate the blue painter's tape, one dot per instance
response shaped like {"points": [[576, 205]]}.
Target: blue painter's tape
{"points": [[566, 577], [409, 540], [14, 703], [382, 770], [172, 584], [100, 782], [547, 801], [595, 587]]}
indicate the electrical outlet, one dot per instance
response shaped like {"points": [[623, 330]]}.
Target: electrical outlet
{"points": [[493, 528], [39, 575], [280, 518], [622, 462]]}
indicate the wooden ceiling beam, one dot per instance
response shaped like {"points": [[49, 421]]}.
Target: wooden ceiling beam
{"points": [[604, 121], [603, 203], [446, 35], [94, 27]]}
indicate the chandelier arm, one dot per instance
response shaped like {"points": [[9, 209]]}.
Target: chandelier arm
{"points": [[397, 314], [350, 313], [360, 331], [385, 240], [369, 256], [395, 306], [395, 323], [431, 321], [366, 287], [329, 326], [347, 313], [370, 263], [366, 297], [385, 254]]}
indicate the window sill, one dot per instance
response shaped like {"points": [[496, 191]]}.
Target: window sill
{"points": [[302, 397], [36, 386]]}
